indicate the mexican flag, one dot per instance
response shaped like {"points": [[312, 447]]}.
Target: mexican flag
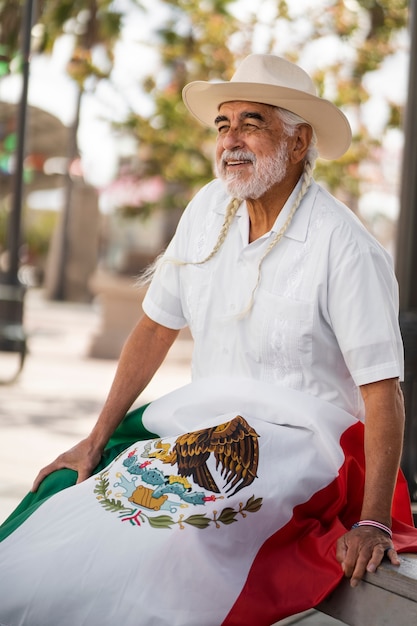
{"points": [[220, 503]]}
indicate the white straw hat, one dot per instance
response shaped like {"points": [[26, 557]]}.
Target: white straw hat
{"points": [[269, 79]]}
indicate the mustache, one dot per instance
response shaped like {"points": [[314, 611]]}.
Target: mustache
{"points": [[237, 155]]}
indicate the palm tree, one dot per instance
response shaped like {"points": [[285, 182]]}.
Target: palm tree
{"points": [[91, 23]]}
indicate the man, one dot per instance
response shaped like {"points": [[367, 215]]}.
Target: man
{"points": [[283, 288]]}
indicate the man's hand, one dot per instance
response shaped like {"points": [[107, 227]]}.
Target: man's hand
{"points": [[361, 550], [82, 458]]}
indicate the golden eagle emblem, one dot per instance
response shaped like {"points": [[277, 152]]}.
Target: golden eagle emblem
{"points": [[234, 445]]}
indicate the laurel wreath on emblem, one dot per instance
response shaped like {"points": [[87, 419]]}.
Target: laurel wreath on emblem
{"points": [[135, 516], [234, 446]]}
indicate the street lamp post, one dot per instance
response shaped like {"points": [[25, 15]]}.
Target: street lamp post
{"points": [[12, 336], [14, 229], [406, 263]]}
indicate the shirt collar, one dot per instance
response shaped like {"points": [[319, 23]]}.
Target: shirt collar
{"points": [[298, 228]]}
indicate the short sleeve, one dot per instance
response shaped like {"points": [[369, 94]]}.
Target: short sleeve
{"points": [[164, 301], [363, 308]]}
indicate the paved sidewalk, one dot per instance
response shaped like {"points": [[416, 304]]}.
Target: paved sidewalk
{"points": [[58, 395]]}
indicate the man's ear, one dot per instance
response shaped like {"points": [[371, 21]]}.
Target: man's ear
{"points": [[300, 142]]}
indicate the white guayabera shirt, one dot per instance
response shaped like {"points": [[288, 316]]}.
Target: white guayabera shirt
{"points": [[325, 314]]}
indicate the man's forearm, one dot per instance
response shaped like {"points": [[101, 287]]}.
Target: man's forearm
{"points": [[384, 428]]}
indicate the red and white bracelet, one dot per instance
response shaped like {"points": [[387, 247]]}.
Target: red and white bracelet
{"points": [[370, 522]]}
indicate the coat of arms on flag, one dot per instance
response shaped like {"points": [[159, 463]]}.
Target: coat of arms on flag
{"points": [[170, 476]]}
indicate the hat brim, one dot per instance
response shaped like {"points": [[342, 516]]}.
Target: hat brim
{"points": [[332, 129]]}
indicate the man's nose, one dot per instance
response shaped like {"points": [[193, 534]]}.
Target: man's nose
{"points": [[232, 140]]}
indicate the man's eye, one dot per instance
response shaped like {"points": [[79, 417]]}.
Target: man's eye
{"points": [[222, 129]]}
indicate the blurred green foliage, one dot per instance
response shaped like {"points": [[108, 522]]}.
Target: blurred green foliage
{"points": [[204, 40], [194, 44]]}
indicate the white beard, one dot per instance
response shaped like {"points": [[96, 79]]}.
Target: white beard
{"points": [[267, 171]]}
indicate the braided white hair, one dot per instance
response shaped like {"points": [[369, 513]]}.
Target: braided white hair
{"points": [[307, 178]]}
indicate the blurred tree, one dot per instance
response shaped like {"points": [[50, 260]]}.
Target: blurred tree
{"points": [[203, 40], [11, 12], [193, 44], [91, 23], [369, 30]]}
